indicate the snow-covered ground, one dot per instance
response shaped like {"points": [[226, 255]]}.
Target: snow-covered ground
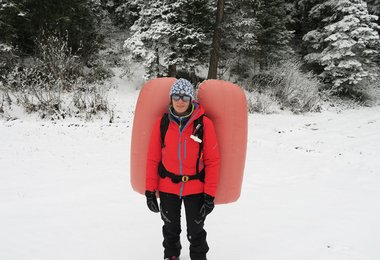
{"points": [[311, 190]]}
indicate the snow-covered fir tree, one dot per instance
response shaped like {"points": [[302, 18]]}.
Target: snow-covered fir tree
{"points": [[345, 43], [123, 13], [171, 34], [256, 35], [8, 15], [373, 6], [274, 36], [239, 39], [25, 20], [303, 23]]}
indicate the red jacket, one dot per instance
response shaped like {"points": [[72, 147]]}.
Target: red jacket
{"points": [[179, 156]]}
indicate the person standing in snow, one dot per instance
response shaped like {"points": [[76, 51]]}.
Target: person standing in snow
{"points": [[183, 166]]}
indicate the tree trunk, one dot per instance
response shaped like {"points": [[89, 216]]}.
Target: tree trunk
{"points": [[215, 52], [157, 67], [172, 70]]}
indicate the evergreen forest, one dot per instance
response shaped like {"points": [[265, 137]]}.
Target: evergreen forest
{"points": [[297, 52]]}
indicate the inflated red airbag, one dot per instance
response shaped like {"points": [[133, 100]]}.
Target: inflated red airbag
{"points": [[152, 103], [226, 105]]}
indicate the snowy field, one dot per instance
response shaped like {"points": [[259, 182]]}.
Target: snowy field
{"points": [[311, 191]]}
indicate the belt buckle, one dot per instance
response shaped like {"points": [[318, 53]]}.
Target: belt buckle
{"points": [[185, 178]]}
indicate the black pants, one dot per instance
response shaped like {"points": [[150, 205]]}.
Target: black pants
{"points": [[171, 215]]}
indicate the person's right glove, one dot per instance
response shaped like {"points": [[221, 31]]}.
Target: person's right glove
{"points": [[151, 201], [208, 205]]}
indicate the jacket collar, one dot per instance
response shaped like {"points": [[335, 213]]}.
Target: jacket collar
{"points": [[195, 112]]}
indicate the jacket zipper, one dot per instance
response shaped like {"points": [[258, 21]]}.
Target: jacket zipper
{"points": [[179, 153], [179, 156], [185, 149]]}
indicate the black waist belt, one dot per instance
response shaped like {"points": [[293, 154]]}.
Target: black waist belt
{"points": [[180, 178]]}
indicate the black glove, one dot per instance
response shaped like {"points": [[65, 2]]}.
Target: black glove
{"points": [[151, 201], [208, 205]]}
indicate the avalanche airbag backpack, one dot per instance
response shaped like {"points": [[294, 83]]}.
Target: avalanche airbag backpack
{"points": [[230, 124]]}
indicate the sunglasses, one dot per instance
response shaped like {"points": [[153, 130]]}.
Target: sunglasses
{"points": [[185, 98]]}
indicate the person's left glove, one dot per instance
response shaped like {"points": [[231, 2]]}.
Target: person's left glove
{"points": [[151, 201], [208, 205]]}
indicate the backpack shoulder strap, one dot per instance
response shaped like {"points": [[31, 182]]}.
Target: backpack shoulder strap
{"points": [[198, 130], [164, 124]]}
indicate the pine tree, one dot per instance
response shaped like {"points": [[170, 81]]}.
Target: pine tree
{"points": [[171, 33], [345, 43], [9, 14], [26, 19], [122, 13], [255, 35], [373, 6], [12, 23], [274, 36], [239, 41], [7, 11], [303, 23]]}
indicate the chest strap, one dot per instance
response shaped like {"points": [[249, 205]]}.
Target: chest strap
{"points": [[162, 172]]}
